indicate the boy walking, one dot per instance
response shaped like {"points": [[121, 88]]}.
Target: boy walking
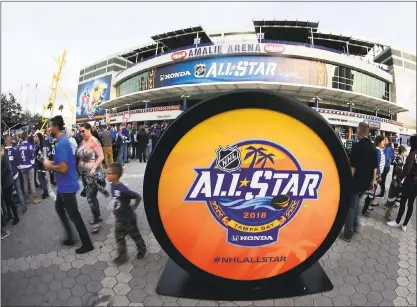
{"points": [[125, 217]]}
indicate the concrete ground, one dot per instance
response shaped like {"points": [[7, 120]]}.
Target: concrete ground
{"points": [[378, 267]]}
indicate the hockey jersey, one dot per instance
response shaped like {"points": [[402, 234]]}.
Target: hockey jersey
{"points": [[27, 158], [14, 158]]}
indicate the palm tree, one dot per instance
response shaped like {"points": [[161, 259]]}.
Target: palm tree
{"points": [[254, 152], [265, 158]]}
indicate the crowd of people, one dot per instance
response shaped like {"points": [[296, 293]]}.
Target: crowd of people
{"points": [[60, 157], [371, 164], [56, 159]]}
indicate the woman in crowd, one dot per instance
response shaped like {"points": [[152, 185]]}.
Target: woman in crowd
{"points": [[389, 156], [39, 157], [91, 157], [409, 190]]}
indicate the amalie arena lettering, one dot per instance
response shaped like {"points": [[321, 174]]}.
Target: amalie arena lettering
{"points": [[227, 49]]}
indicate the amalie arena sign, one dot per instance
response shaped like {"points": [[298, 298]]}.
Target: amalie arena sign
{"points": [[227, 49]]}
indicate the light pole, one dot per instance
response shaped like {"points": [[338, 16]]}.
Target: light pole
{"points": [[146, 104], [351, 104], [376, 112], [316, 101], [184, 102]]}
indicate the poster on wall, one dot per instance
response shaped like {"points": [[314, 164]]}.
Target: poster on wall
{"points": [[243, 68], [90, 96]]}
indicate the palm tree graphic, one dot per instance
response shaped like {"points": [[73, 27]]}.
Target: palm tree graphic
{"points": [[254, 152], [264, 158]]}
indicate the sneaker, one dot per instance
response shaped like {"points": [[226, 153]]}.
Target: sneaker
{"points": [[396, 205], [141, 255], [393, 224], [25, 211], [344, 238], [84, 249], [16, 220], [83, 193], [380, 195], [386, 208], [404, 228], [44, 196], [4, 234]]}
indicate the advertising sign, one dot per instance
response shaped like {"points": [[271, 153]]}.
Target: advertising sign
{"points": [[90, 96], [232, 194], [242, 68], [228, 48]]}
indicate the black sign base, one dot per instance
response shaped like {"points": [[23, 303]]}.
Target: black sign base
{"points": [[178, 283]]}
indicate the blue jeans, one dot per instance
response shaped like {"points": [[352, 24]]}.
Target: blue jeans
{"points": [[352, 219], [149, 149], [18, 187], [122, 155], [125, 152]]}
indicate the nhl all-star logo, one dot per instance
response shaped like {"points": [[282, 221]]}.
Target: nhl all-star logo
{"points": [[228, 159], [200, 70]]}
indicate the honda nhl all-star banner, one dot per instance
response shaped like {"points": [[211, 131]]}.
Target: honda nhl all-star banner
{"points": [[242, 68]]}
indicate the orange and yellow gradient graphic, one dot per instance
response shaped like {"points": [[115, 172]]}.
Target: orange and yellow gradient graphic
{"points": [[201, 239]]}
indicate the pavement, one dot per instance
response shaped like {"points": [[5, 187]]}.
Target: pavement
{"points": [[377, 268]]}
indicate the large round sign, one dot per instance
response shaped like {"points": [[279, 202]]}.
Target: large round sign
{"points": [[246, 187]]}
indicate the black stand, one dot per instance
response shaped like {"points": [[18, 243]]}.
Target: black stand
{"points": [[178, 283]]}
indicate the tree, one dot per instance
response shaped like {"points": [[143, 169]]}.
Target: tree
{"points": [[264, 158], [254, 152], [11, 111], [32, 120]]}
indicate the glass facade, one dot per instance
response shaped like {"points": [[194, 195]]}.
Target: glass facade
{"points": [[135, 84], [309, 73], [347, 79]]}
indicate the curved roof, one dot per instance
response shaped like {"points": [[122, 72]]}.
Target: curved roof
{"points": [[279, 30]]}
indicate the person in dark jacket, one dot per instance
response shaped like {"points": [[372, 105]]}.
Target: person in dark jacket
{"points": [[39, 157], [133, 143], [7, 187], [142, 144], [409, 190]]}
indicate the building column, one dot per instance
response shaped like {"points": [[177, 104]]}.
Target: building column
{"points": [[184, 102]]}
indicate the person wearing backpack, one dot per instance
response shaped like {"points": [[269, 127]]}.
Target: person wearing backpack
{"points": [[409, 190]]}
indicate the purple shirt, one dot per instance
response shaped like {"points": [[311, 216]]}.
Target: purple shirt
{"points": [[14, 159], [27, 157]]}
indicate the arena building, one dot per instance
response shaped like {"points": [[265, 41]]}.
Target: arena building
{"points": [[346, 79]]}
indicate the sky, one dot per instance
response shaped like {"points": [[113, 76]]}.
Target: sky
{"points": [[32, 34]]}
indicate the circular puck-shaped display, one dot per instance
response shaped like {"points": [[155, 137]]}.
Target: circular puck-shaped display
{"points": [[246, 187]]}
